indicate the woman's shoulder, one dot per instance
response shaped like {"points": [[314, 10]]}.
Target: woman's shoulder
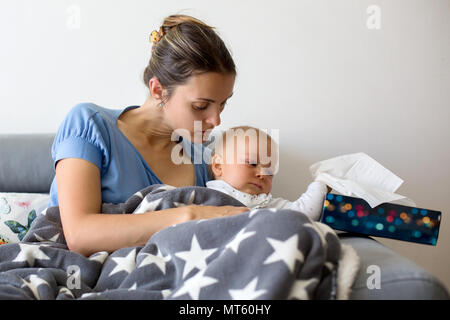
{"points": [[87, 116], [88, 110], [87, 121], [86, 133]]}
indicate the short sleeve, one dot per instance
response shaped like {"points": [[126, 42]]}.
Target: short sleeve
{"points": [[80, 136]]}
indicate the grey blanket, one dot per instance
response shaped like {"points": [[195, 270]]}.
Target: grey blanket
{"points": [[259, 254]]}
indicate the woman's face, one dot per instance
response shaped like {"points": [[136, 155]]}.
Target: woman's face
{"points": [[194, 108]]}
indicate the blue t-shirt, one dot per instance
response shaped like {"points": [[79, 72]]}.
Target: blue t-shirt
{"points": [[90, 132]]}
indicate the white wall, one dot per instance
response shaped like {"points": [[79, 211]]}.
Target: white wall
{"points": [[312, 69]]}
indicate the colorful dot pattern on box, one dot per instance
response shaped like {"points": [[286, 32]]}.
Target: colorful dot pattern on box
{"points": [[386, 220]]}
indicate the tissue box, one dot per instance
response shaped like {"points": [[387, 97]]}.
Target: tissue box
{"points": [[387, 220]]}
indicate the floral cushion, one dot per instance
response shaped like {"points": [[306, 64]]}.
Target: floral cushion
{"points": [[17, 212]]}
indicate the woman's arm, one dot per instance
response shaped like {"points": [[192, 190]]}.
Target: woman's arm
{"points": [[86, 231]]}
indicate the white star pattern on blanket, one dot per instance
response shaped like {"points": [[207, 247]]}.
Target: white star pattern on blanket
{"points": [[158, 260], [165, 293], [249, 292], [33, 285], [285, 251], [193, 285], [133, 287], [190, 201], [52, 239], [298, 290], [241, 236], [66, 291], [166, 187], [252, 212], [99, 256], [195, 257], [29, 253], [146, 206], [139, 194], [127, 263]]}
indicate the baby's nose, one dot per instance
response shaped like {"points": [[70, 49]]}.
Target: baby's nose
{"points": [[260, 174]]}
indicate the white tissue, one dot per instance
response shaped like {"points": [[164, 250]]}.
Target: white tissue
{"points": [[358, 175]]}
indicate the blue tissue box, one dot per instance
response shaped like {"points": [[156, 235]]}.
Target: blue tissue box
{"points": [[386, 220]]}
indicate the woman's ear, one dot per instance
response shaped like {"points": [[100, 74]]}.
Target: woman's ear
{"points": [[216, 165], [156, 88]]}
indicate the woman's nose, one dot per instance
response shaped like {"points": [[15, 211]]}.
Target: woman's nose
{"points": [[214, 119]]}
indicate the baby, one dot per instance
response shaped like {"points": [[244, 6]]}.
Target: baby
{"points": [[241, 170]]}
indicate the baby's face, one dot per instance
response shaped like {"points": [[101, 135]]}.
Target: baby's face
{"points": [[246, 169]]}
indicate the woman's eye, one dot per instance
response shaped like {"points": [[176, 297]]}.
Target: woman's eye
{"points": [[202, 107]]}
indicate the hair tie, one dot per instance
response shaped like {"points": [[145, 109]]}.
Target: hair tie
{"points": [[155, 37]]}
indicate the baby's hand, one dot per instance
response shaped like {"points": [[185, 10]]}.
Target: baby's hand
{"points": [[328, 188]]}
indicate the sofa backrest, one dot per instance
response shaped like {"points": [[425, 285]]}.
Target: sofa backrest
{"points": [[26, 163]]}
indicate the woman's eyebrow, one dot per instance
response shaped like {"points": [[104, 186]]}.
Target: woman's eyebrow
{"points": [[213, 101]]}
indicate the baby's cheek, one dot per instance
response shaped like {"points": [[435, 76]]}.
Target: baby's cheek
{"points": [[236, 179], [269, 185]]}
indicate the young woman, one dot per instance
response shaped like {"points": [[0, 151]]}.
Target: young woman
{"points": [[104, 155]]}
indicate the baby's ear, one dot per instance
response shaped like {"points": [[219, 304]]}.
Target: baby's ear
{"points": [[216, 165], [217, 158]]}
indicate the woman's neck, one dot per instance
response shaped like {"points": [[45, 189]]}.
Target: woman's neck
{"points": [[147, 125]]}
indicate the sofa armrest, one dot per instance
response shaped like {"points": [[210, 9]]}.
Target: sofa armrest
{"points": [[26, 164], [400, 278]]}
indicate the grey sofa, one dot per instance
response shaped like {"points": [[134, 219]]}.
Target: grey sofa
{"points": [[26, 166]]}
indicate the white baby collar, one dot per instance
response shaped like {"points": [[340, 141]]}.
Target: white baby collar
{"points": [[249, 200]]}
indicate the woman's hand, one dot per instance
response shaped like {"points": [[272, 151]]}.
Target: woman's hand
{"points": [[196, 212]]}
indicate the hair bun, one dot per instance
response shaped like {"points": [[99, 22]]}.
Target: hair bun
{"points": [[174, 20]]}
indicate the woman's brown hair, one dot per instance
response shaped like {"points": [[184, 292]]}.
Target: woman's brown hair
{"points": [[187, 46]]}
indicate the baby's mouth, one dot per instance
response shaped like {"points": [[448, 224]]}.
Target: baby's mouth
{"points": [[257, 185]]}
